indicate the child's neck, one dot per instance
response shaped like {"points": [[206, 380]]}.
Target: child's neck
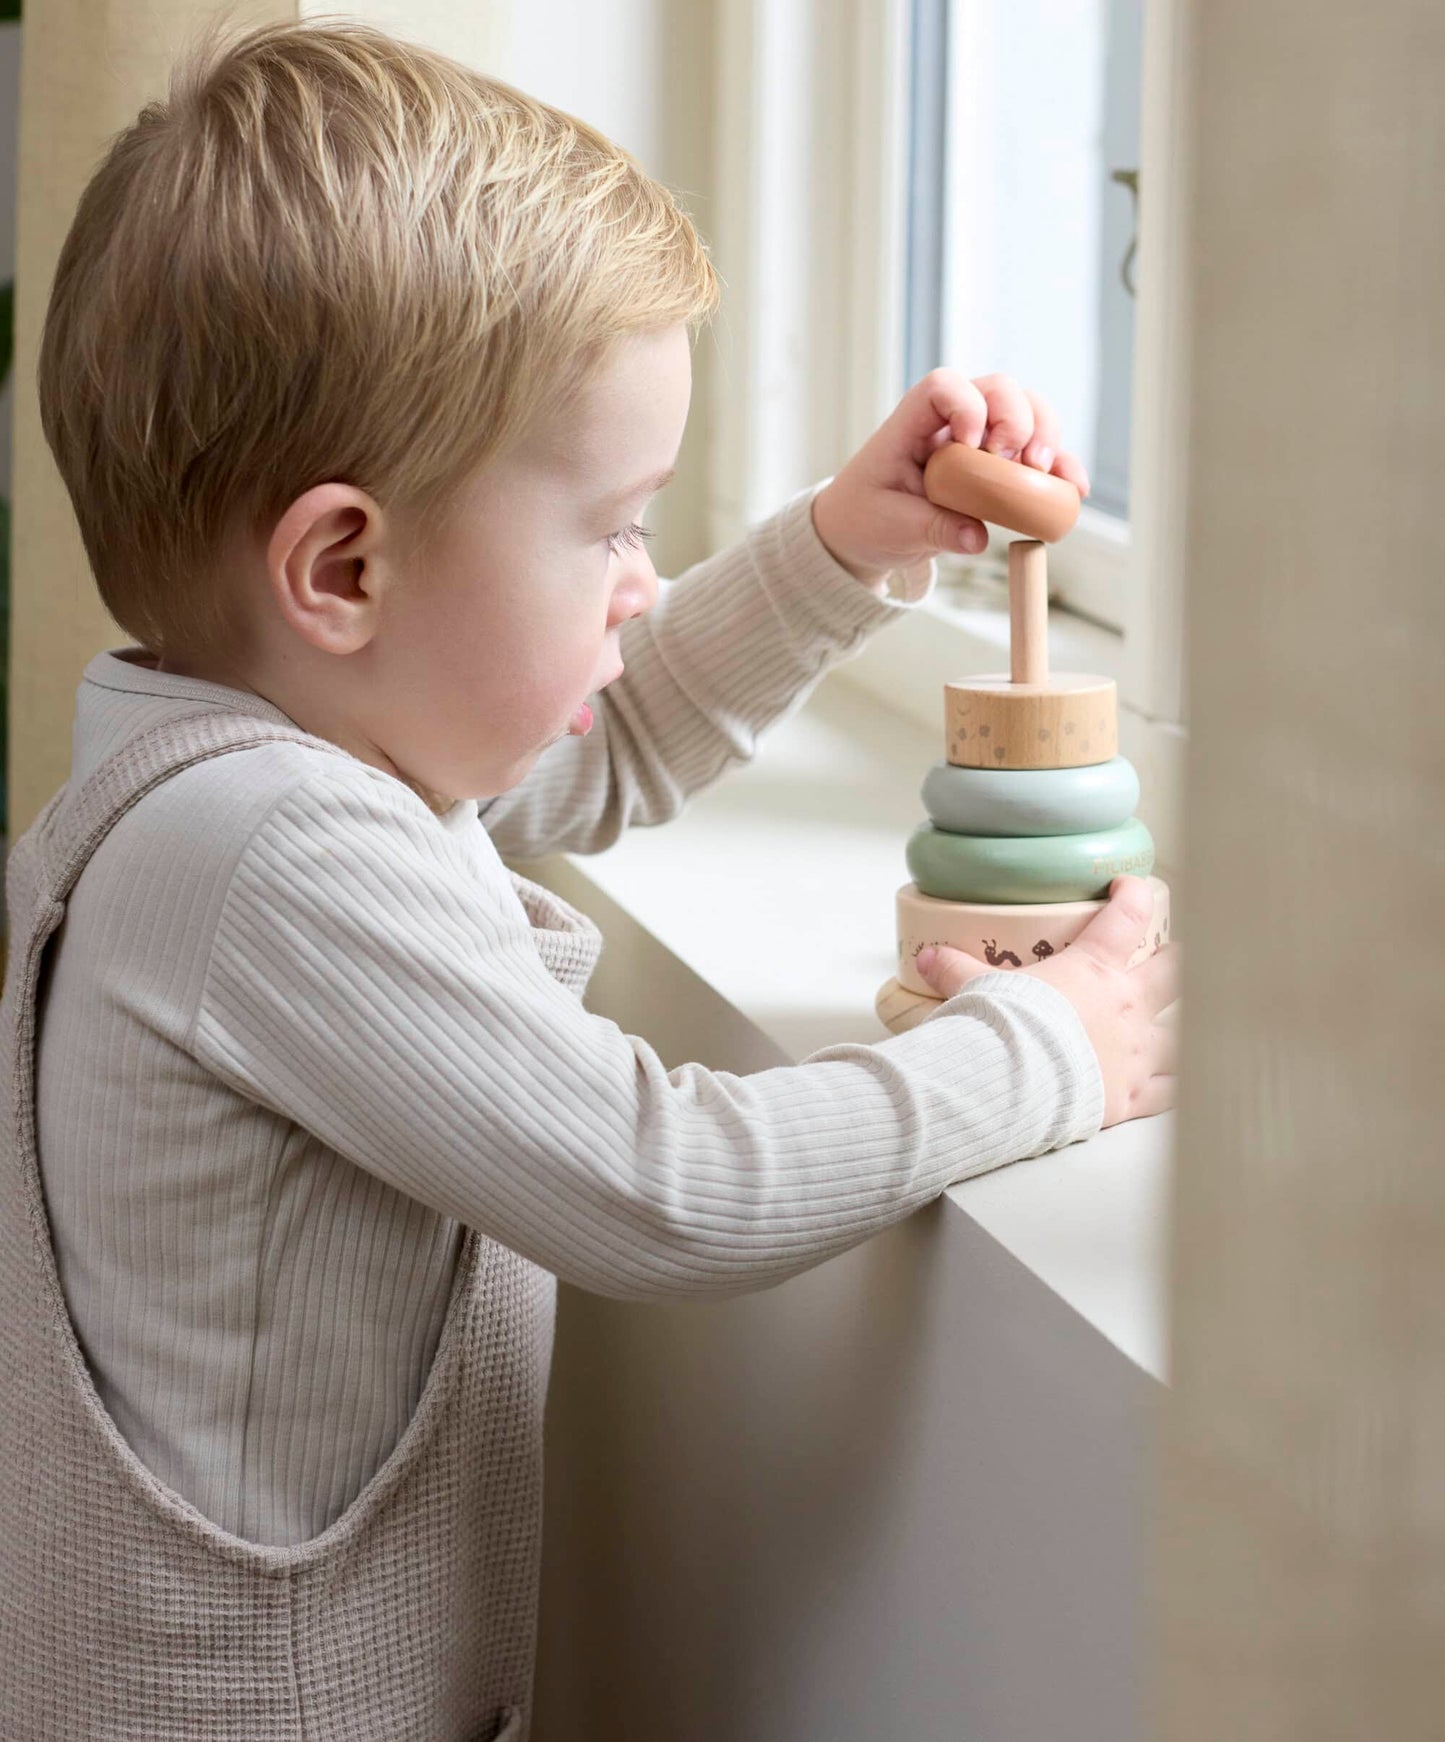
{"points": [[436, 802]]}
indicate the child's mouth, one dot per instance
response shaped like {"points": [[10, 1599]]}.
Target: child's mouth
{"points": [[581, 721]]}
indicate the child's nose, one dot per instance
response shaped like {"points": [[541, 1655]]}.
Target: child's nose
{"points": [[637, 591]]}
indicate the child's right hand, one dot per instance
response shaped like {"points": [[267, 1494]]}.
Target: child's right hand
{"points": [[1119, 1006]]}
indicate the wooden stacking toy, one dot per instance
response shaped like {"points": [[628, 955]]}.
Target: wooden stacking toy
{"points": [[1031, 814]]}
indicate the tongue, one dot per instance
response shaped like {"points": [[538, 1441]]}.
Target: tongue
{"points": [[581, 721]]}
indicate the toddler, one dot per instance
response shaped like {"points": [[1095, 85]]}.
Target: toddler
{"points": [[360, 368]]}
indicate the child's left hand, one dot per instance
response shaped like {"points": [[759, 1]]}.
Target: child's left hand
{"points": [[873, 515]]}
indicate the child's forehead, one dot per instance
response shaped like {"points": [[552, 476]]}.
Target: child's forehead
{"points": [[550, 471], [608, 472], [613, 433], [565, 465]]}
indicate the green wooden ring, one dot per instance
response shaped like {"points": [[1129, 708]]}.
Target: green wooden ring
{"points": [[1031, 801], [1026, 868]]}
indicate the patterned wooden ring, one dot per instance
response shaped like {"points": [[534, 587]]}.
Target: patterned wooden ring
{"points": [[1005, 935]]}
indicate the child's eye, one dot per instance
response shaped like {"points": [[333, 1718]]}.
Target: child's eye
{"points": [[630, 535]]}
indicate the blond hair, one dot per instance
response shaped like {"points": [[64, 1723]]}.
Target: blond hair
{"points": [[329, 254]]}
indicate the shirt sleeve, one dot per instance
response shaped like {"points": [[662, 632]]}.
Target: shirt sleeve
{"points": [[367, 984], [733, 645]]}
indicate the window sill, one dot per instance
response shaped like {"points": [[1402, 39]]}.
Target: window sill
{"points": [[758, 926]]}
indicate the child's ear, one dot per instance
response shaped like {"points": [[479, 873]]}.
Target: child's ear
{"points": [[327, 566]]}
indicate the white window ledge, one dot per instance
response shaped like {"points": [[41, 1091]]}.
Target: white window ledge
{"points": [[758, 926]]}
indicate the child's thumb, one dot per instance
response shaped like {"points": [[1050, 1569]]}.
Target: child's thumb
{"points": [[923, 524], [947, 970], [1117, 930]]}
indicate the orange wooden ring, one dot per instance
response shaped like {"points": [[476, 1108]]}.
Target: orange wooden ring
{"points": [[1008, 493]]}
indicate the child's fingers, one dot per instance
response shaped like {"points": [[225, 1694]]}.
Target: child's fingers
{"points": [[1045, 441], [992, 412], [1070, 466], [1010, 415], [944, 403], [1160, 978], [929, 527], [1114, 933], [1164, 1049]]}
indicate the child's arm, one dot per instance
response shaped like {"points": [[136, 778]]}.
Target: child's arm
{"points": [[740, 640], [366, 984]]}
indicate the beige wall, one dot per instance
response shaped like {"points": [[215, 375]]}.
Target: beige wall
{"points": [[87, 67], [1303, 1523]]}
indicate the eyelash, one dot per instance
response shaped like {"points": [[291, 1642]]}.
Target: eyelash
{"points": [[632, 535]]}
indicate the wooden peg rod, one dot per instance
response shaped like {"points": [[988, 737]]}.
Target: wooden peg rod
{"points": [[1028, 602]]}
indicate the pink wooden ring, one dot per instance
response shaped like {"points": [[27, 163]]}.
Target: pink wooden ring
{"points": [[1006, 492]]}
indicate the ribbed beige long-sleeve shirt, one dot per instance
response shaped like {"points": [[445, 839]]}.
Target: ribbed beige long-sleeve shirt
{"points": [[295, 1036]]}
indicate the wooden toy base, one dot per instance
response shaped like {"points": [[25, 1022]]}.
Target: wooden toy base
{"points": [[899, 1009]]}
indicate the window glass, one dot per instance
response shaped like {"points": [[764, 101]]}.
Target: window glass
{"points": [[1025, 146]]}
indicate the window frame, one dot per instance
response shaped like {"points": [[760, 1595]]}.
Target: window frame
{"points": [[817, 211], [1089, 571]]}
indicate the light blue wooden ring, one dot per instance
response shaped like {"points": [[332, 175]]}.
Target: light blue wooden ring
{"points": [[1079, 867], [1031, 801]]}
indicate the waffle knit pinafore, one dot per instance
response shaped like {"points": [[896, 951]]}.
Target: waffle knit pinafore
{"points": [[126, 1613]]}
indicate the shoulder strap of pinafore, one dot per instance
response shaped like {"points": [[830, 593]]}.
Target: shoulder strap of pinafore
{"points": [[67, 834]]}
